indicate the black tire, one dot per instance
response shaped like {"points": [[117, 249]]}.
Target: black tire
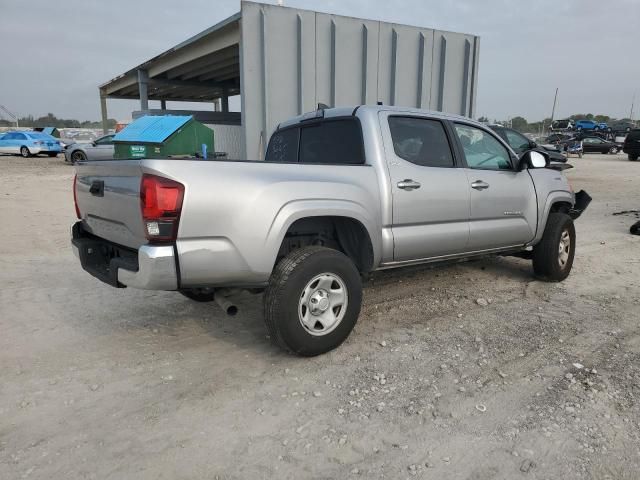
{"points": [[199, 294], [52, 154], [291, 277], [547, 263], [633, 158], [24, 151], [78, 156]]}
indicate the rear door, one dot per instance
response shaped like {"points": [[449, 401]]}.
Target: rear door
{"points": [[429, 189], [503, 206], [18, 140], [108, 195]]}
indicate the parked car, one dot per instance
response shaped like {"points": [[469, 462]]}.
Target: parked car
{"points": [[561, 125], [100, 149], [585, 125], [594, 144], [28, 143], [342, 192], [520, 144], [632, 145], [621, 128]]}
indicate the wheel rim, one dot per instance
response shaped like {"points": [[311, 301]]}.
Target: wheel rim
{"points": [[77, 156], [323, 304], [613, 150], [564, 248], [24, 151]]}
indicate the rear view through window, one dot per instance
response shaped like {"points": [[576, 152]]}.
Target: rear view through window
{"points": [[327, 141]]}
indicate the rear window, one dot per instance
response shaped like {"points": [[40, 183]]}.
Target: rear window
{"points": [[335, 142], [41, 136], [283, 147]]}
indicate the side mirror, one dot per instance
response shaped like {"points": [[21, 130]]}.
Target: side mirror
{"points": [[533, 144], [533, 159]]}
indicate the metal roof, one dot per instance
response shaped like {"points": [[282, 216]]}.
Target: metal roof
{"points": [[151, 129]]}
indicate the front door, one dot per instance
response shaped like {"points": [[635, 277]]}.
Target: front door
{"points": [[429, 190], [503, 208]]}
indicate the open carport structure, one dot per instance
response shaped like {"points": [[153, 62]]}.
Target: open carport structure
{"points": [[284, 61]]}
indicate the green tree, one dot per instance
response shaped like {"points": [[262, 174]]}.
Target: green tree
{"points": [[519, 123]]}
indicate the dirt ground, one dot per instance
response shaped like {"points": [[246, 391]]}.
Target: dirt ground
{"points": [[541, 383]]}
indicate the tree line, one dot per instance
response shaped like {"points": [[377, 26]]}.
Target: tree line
{"points": [[50, 120], [522, 125]]}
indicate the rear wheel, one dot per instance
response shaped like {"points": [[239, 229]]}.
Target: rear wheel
{"points": [[553, 256], [633, 158], [313, 300], [78, 156], [199, 294], [24, 151]]}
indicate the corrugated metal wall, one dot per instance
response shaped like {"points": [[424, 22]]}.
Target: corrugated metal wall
{"points": [[293, 59]]}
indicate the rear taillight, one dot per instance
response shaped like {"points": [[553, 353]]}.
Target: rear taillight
{"points": [[75, 197], [161, 204]]}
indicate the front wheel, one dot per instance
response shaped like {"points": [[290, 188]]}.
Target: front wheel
{"points": [[24, 151], [78, 156], [633, 158], [312, 301], [553, 256]]}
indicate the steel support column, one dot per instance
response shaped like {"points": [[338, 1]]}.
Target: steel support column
{"points": [[103, 112], [143, 80]]}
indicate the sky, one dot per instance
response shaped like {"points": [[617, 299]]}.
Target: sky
{"points": [[54, 54]]}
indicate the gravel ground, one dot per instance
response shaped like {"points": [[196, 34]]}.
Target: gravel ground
{"points": [[540, 383]]}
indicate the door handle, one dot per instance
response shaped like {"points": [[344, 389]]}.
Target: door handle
{"points": [[97, 188], [480, 185], [408, 184]]}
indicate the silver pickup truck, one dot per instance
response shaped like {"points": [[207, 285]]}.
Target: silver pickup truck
{"points": [[341, 192]]}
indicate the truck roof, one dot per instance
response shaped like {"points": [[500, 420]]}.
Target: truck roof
{"points": [[362, 109]]}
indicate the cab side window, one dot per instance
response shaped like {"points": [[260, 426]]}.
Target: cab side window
{"points": [[421, 141], [481, 150]]}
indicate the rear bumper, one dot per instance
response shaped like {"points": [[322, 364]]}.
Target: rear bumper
{"points": [[150, 267]]}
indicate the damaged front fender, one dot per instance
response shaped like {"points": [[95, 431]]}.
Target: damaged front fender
{"points": [[583, 199]]}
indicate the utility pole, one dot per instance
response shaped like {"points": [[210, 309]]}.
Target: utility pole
{"points": [[555, 100], [633, 101]]}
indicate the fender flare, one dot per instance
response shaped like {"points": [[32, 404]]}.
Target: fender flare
{"points": [[554, 197], [321, 207]]}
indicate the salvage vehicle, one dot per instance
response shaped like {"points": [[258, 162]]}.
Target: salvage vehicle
{"points": [[561, 125], [593, 144], [586, 125], [28, 143], [100, 149], [342, 192], [632, 145], [520, 144]]}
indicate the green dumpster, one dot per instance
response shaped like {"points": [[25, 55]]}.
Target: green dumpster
{"points": [[164, 136]]}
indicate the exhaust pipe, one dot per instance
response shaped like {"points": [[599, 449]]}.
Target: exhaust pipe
{"points": [[224, 303]]}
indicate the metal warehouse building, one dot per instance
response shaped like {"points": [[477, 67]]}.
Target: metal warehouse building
{"points": [[284, 61]]}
